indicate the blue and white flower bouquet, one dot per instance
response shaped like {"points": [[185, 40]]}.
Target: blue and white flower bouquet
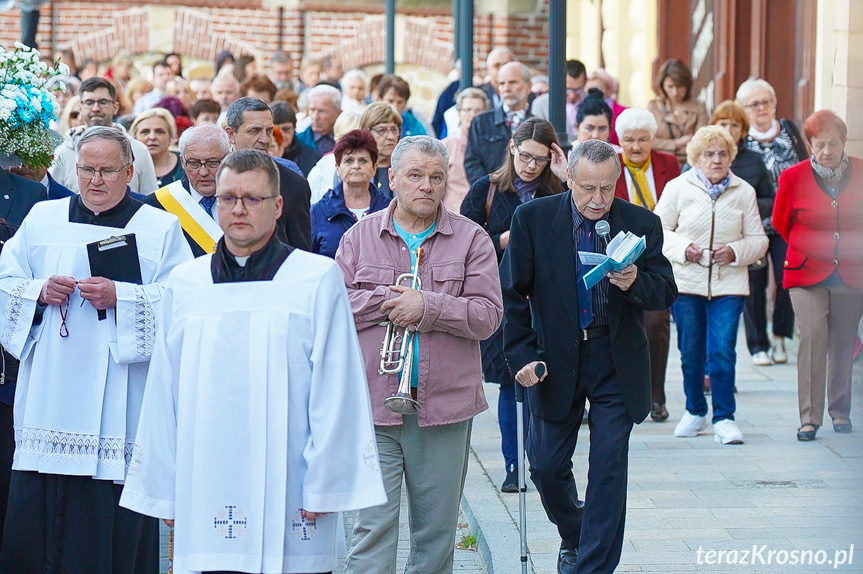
{"points": [[27, 105]]}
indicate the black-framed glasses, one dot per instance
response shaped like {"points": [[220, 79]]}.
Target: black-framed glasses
{"points": [[527, 158], [105, 173], [196, 164], [103, 103], [251, 202]]}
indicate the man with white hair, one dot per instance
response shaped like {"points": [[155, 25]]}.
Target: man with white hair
{"points": [[193, 197], [325, 105], [80, 286], [491, 131], [226, 90]]}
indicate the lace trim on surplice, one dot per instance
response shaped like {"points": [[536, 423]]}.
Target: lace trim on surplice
{"points": [[85, 447]]}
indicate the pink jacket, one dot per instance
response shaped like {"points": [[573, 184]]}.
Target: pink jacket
{"points": [[463, 305]]}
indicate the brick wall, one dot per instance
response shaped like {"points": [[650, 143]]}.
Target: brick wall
{"points": [[202, 28]]}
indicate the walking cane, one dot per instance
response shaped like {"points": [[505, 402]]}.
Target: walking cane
{"points": [[539, 370]]}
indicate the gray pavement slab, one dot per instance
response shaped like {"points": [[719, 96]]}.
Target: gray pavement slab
{"points": [[686, 495]]}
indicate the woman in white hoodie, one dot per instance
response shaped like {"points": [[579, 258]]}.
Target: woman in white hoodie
{"points": [[712, 233]]}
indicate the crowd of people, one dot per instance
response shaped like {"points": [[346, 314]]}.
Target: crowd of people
{"points": [[199, 315]]}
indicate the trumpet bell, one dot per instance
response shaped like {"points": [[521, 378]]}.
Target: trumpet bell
{"points": [[403, 404]]}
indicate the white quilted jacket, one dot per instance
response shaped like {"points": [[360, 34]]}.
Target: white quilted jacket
{"points": [[689, 216]]}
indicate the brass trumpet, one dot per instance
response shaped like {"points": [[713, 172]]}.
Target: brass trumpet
{"points": [[397, 352]]}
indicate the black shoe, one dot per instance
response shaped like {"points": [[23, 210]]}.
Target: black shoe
{"points": [[807, 435], [843, 428], [658, 413], [566, 558], [510, 483]]}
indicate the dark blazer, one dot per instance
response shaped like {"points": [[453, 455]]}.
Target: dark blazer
{"points": [[486, 143], [304, 156], [749, 166], [153, 201], [57, 190], [541, 303], [17, 195], [294, 226], [665, 168]]}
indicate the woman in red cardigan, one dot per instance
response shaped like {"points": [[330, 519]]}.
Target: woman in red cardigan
{"points": [[819, 212]]}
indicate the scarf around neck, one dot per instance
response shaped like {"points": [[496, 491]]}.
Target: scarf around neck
{"points": [[714, 189], [639, 177], [526, 190], [767, 136], [831, 175]]}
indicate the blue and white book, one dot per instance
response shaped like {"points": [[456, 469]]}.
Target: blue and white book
{"points": [[622, 251]]}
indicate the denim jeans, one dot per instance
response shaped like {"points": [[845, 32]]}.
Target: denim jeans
{"points": [[507, 419], [707, 337]]}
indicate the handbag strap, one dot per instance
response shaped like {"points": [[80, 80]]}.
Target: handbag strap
{"points": [[637, 188], [492, 188]]}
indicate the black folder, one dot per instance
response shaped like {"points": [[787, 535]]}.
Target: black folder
{"points": [[115, 258]]}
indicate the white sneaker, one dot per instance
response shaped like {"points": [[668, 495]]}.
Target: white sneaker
{"points": [[690, 425], [762, 359], [778, 351], [726, 432]]}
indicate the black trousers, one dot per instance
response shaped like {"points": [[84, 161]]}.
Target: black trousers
{"points": [[74, 525], [755, 309], [597, 528], [7, 449]]}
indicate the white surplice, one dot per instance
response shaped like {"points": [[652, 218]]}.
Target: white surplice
{"points": [[78, 398], [256, 407]]}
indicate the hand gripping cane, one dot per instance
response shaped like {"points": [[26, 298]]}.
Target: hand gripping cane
{"points": [[539, 370]]}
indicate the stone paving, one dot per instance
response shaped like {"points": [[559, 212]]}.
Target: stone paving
{"points": [[686, 495], [773, 493]]}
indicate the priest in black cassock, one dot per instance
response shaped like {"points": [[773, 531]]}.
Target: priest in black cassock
{"points": [[84, 343], [256, 428]]}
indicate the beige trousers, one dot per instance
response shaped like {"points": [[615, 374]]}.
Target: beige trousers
{"points": [[828, 319]]}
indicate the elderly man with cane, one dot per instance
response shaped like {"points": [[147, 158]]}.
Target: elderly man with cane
{"points": [[567, 343]]}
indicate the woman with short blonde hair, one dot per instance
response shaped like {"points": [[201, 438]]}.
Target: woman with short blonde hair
{"points": [[157, 129], [712, 232]]}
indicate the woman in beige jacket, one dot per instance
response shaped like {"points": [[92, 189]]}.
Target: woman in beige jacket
{"points": [[678, 114], [712, 233]]}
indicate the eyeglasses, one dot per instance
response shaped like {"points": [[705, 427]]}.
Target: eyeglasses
{"points": [[383, 130], [103, 103], [578, 91], [250, 202], [527, 158], [105, 174], [759, 104], [196, 164]]}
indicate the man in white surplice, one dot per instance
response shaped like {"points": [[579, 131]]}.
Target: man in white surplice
{"points": [[256, 428], [84, 344]]}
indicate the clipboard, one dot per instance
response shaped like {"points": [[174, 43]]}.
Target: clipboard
{"points": [[115, 258]]}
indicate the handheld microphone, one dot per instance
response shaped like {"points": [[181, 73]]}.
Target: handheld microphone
{"points": [[603, 229]]}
